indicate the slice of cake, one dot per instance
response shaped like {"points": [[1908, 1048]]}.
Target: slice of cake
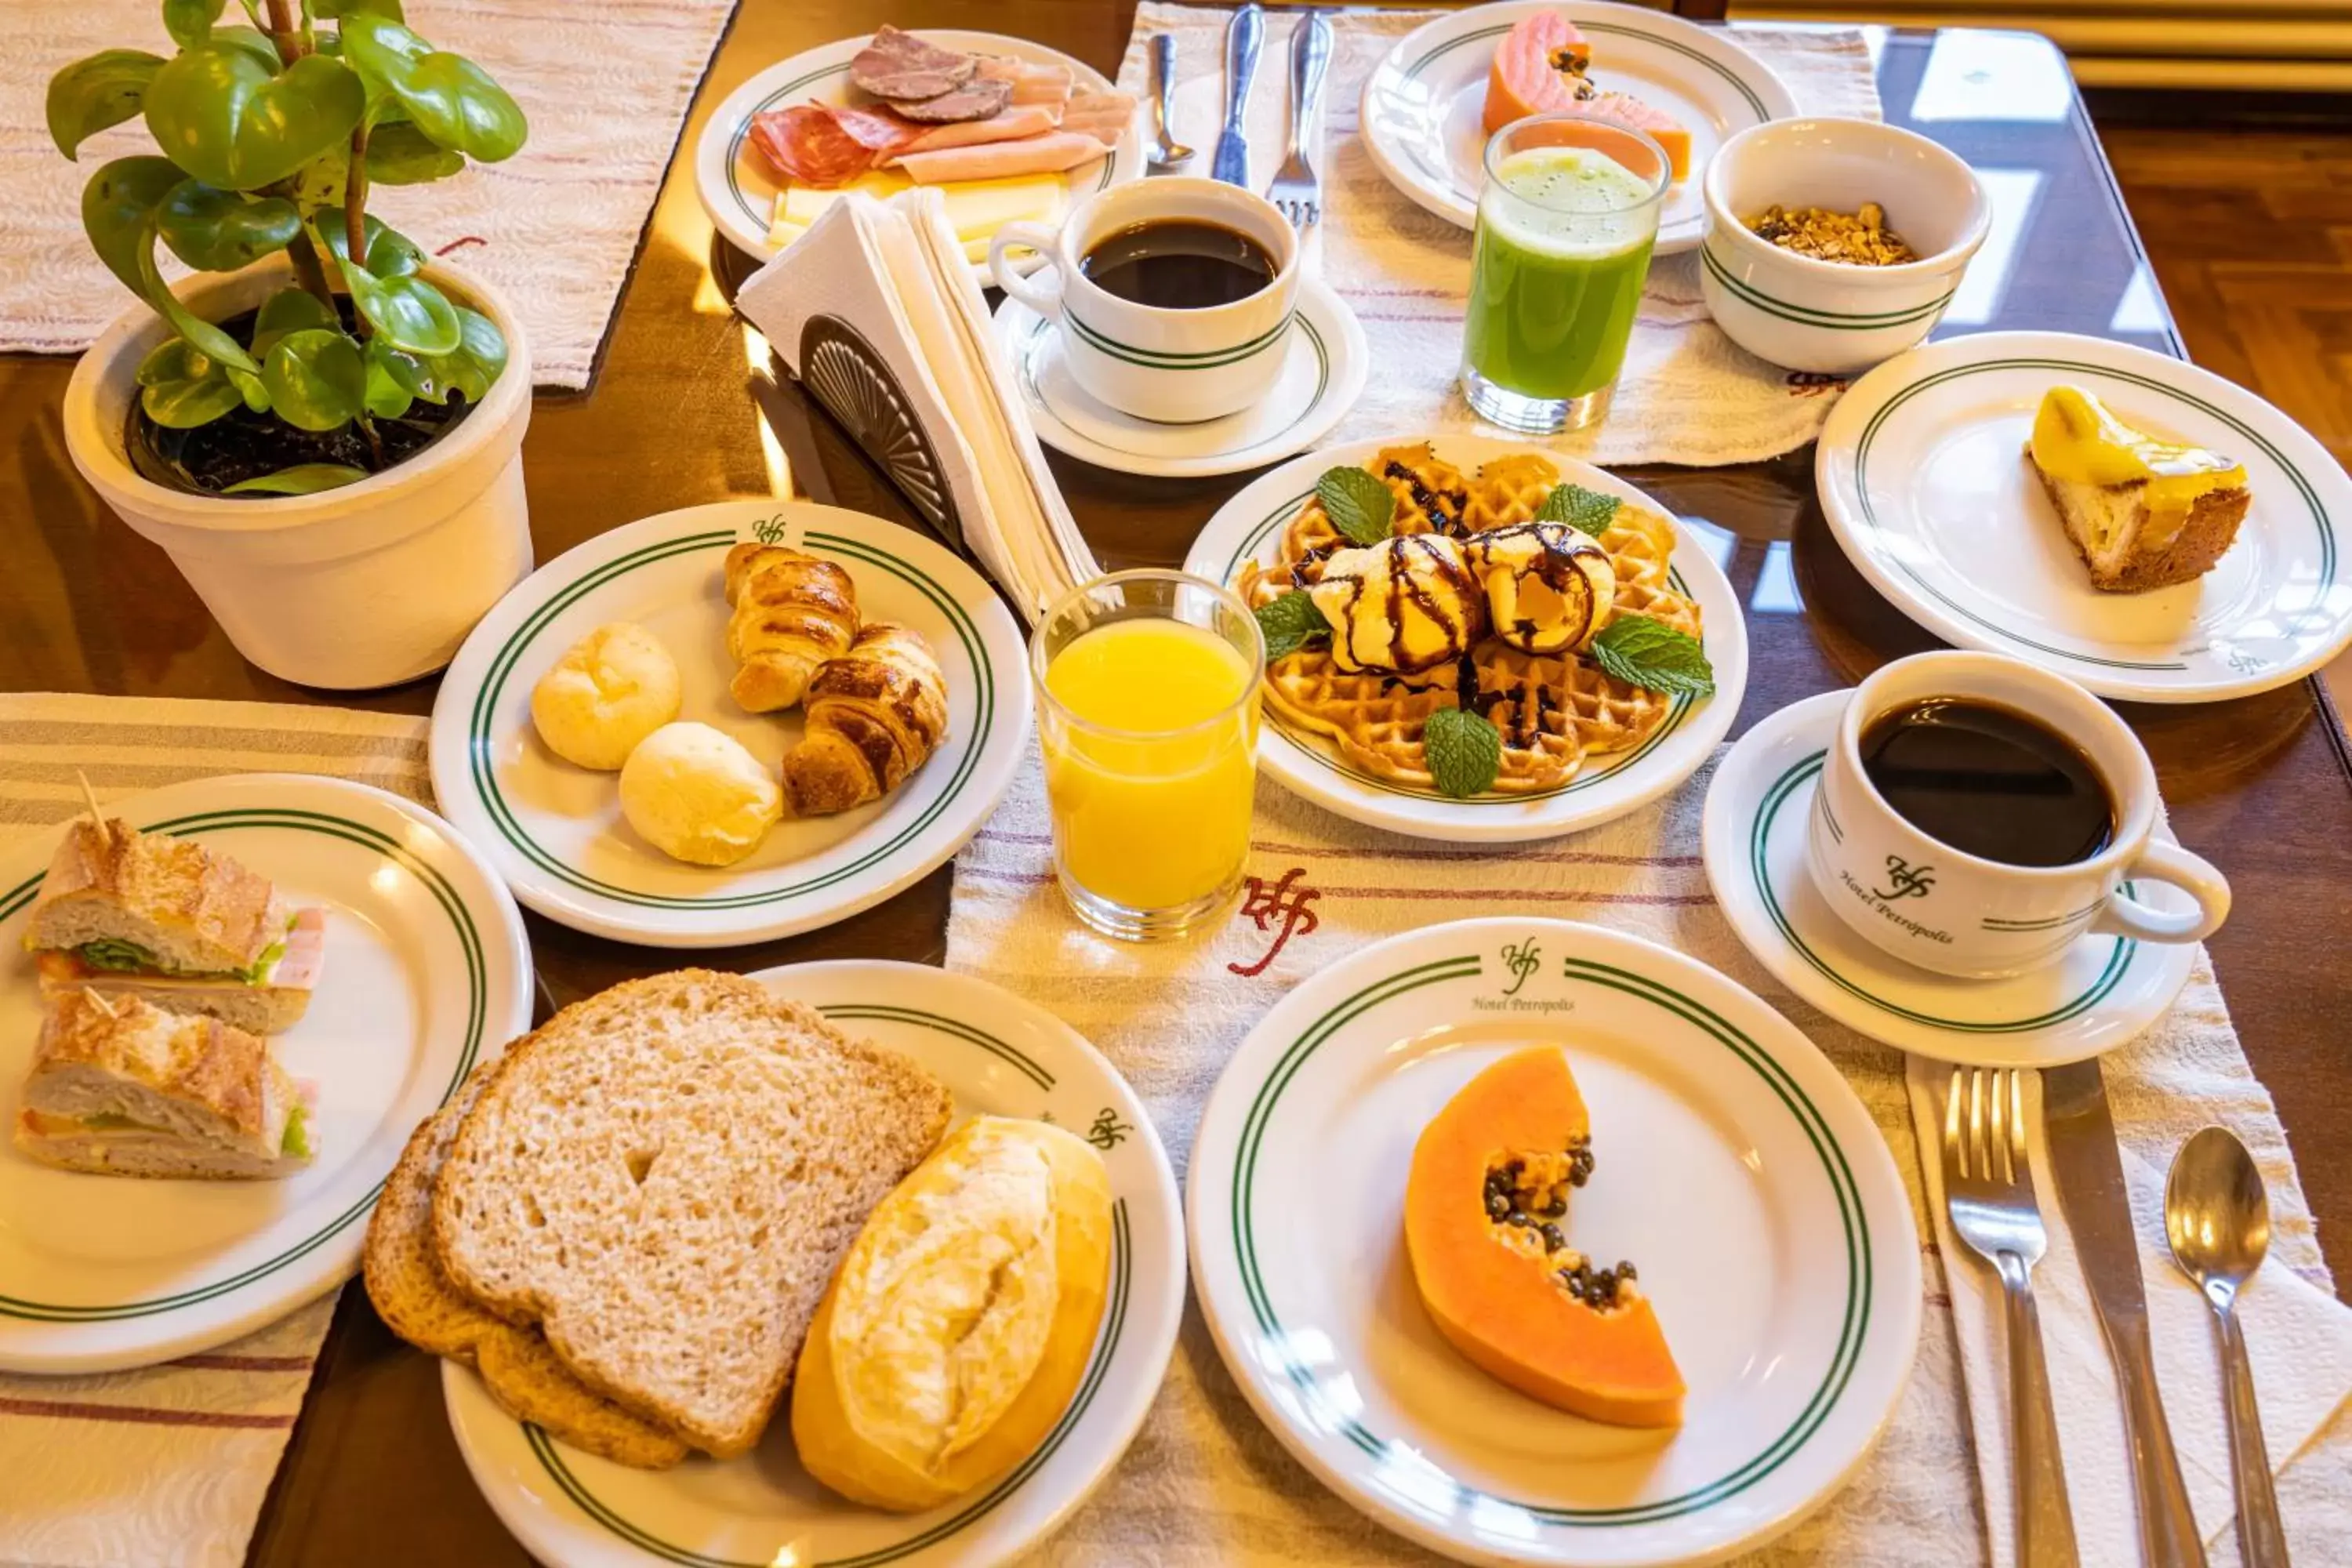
{"points": [[2142, 513]]}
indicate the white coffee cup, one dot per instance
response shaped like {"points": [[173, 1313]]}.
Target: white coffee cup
{"points": [[1943, 909], [1168, 366]]}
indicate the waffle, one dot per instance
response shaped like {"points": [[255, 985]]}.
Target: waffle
{"points": [[1552, 711]]}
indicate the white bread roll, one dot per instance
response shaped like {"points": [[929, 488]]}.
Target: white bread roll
{"points": [[696, 795], [960, 1324], [609, 691]]}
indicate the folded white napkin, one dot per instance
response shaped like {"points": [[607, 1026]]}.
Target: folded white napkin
{"points": [[875, 310], [2299, 1338]]}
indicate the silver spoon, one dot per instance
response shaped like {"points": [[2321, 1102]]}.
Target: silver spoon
{"points": [[1165, 152], [2218, 1219]]}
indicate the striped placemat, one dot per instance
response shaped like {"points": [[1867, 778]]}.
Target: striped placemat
{"points": [[1207, 1484], [170, 1464]]}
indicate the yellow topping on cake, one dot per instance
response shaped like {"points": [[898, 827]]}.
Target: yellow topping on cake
{"points": [[2078, 441]]}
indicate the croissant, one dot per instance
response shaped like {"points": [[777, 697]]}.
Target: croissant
{"points": [[875, 715], [793, 611]]}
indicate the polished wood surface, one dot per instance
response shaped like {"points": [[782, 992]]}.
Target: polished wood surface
{"points": [[689, 409]]}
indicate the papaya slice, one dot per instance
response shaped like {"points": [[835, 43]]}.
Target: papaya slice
{"points": [[1664, 128], [1484, 1210], [1543, 66], [1539, 67]]}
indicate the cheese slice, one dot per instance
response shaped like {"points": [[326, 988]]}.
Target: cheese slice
{"points": [[976, 208]]}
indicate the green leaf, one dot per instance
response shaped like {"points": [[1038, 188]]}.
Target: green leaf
{"points": [[453, 100], [1465, 750], [181, 387], [215, 230], [253, 41], [410, 311], [249, 386], [316, 378], [1289, 624], [324, 181], [1588, 511], [1358, 505], [469, 369], [119, 210], [289, 310], [1641, 651], [190, 22], [91, 94], [389, 253], [387, 397], [302, 479], [220, 114], [331, 9], [401, 154]]}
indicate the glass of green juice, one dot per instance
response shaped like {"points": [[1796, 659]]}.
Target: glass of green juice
{"points": [[1566, 224]]}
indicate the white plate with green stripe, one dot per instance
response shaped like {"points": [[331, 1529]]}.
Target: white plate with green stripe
{"points": [[428, 972], [1321, 377], [2104, 991], [1733, 1165], [1924, 477], [739, 190], [1250, 527], [1001, 1056], [1423, 104], [555, 831]]}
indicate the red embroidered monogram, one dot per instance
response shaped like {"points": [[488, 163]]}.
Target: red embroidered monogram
{"points": [[1286, 901]]}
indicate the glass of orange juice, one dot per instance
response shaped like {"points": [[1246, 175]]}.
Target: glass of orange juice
{"points": [[1148, 712]]}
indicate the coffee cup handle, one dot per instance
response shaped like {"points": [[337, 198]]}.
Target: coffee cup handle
{"points": [[2192, 874], [1042, 298]]}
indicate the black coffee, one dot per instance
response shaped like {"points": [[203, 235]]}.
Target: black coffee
{"points": [[1989, 781], [1178, 263]]}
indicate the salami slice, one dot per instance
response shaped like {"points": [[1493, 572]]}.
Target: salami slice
{"points": [[900, 66], [877, 130], [808, 145]]}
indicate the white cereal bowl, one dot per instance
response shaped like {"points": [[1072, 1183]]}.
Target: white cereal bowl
{"points": [[1832, 316]]}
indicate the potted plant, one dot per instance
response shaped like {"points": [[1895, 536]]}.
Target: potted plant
{"points": [[323, 426]]}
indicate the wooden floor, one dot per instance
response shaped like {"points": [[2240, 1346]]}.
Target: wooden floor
{"points": [[2251, 234]]}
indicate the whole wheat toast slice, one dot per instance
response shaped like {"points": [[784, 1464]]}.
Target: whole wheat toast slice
{"points": [[417, 1302], [663, 1179]]}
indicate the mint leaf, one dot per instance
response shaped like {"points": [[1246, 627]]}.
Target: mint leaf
{"points": [[1587, 511], [1289, 624], [1358, 505], [1640, 651], [1465, 751]]}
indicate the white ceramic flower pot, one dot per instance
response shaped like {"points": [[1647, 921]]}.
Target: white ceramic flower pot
{"points": [[367, 585]]}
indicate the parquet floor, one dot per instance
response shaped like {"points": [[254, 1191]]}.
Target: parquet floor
{"points": [[2251, 234]]}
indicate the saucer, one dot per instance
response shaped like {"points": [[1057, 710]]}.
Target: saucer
{"points": [[1320, 379], [2105, 991]]}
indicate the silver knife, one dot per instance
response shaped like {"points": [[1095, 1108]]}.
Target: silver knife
{"points": [[1244, 38], [2084, 1157]]}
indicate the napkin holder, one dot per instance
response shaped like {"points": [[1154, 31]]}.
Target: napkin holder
{"points": [[808, 303]]}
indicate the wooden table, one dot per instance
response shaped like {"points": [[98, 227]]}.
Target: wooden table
{"points": [[687, 409]]}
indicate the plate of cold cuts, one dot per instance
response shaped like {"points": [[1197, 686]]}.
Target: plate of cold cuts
{"points": [[1005, 129]]}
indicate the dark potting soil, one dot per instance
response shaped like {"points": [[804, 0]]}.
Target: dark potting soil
{"points": [[243, 445]]}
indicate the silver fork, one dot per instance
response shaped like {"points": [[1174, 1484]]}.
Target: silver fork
{"points": [[1988, 1187], [1296, 190]]}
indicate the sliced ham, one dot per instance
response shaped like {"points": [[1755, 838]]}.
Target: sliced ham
{"points": [[1102, 115], [975, 99], [899, 64], [808, 145], [1031, 82], [1035, 119], [1048, 154]]}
